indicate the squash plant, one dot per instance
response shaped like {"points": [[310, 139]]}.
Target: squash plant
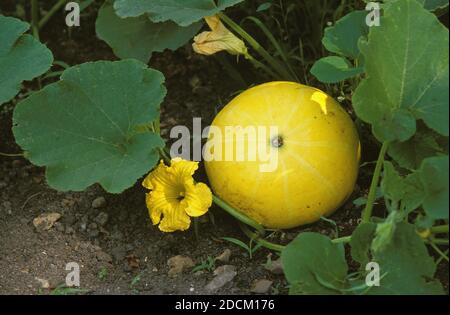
{"points": [[99, 123]]}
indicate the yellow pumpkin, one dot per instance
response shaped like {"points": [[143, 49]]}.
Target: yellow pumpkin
{"points": [[317, 153]]}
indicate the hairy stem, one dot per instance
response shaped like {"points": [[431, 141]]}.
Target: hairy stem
{"points": [[367, 212]]}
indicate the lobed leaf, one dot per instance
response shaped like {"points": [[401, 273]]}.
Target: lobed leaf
{"points": [[182, 12], [342, 38], [22, 57], [85, 128], [314, 265], [139, 37], [407, 73], [435, 177]]}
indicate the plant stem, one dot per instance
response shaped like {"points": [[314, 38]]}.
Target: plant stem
{"points": [[438, 241], [275, 64], [367, 212], [238, 215], [437, 249], [50, 13], [439, 229], [35, 18], [344, 239], [255, 237]]}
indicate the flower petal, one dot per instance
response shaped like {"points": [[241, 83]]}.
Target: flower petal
{"points": [[159, 176], [198, 199], [182, 169], [175, 219]]}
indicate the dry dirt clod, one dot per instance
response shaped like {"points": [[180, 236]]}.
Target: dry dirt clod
{"points": [[225, 256], [261, 286], [224, 274], [98, 202], [178, 264], [45, 221]]}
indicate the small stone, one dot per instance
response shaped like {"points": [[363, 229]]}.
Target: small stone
{"points": [[261, 286], [101, 218], [98, 202], [178, 264], [224, 274], [275, 267], [44, 283], [225, 256], [45, 221], [3, 184], [93, 233]]}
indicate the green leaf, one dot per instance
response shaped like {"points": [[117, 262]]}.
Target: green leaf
{"points": [[334, 69], [314, 265], [433, 5], [182, 12], [22, 57], [410, 154], [342, 38], [434, 177], [430, 5], [407, 190], [139, 37], [407, 265], [360, 242], [407, 73], [84, 128]]}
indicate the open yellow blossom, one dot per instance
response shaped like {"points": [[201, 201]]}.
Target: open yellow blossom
{"points": [[175, 196], [218, 39]]}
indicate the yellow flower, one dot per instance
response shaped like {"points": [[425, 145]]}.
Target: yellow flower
{"points": [[218, 39], [175, 196]]}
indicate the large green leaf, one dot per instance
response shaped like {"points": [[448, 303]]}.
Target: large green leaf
{"points": [[22, 57], [314, 265], [407, 73], [435, 177], [406, 264], [410, 154], [87, 127], [334, 69], [361, 241], [405, 191], [342, 38], [182, 12], [139, 37], [431, 5]]}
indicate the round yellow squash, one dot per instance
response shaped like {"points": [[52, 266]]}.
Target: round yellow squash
{"points": [[315, 149]]}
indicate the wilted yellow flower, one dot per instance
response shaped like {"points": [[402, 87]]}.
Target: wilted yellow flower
{"points": [[175, 196], [218, 39]]}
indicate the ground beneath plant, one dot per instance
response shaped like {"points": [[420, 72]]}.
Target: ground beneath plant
{"points": [[111, 236]]}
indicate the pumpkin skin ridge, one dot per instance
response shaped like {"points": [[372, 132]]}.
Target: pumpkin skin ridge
{"points": [[327, 142]]}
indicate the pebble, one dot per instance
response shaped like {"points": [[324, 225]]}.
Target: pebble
{"points": [[178, 264], [98, 202], [102, 218], [3, 184], [223, 275], [261, 286], [45, 221], [225, 256]]}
